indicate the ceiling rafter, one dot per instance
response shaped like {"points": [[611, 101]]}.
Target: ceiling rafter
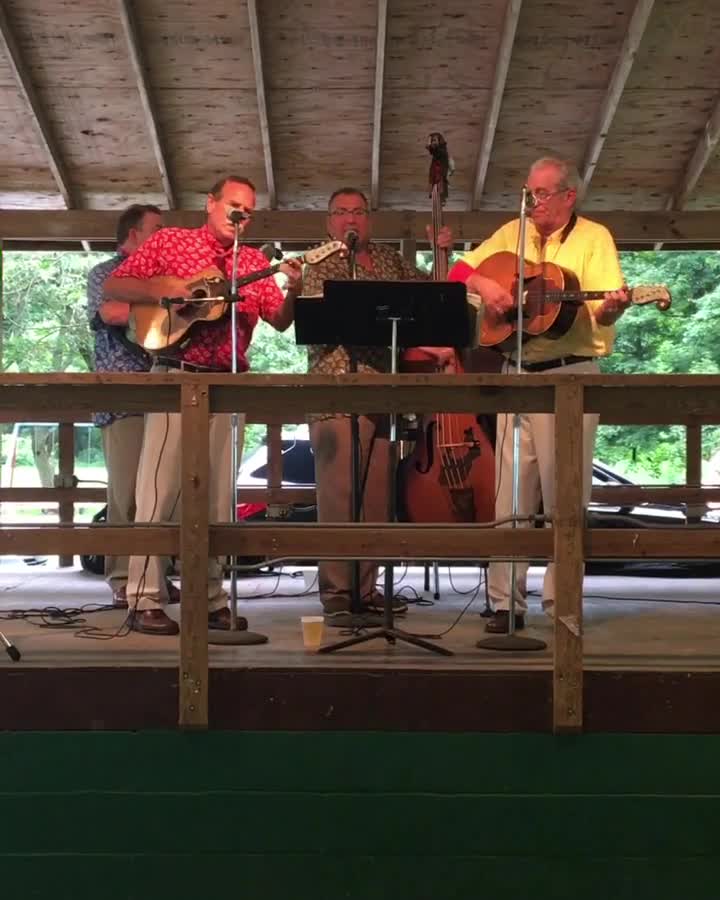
{"points": [[129, 23], [623, 67], [502, 65], [378, 103], [261, 100], [704, 149], [39, 118]]}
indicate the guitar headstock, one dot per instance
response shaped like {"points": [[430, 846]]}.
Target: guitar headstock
{"points": [[318, 254], [651, 293]]}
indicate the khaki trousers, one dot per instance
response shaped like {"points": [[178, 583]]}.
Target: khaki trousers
{"points": [[537, 483], [122, 443], [331, 442], [158, 500]]}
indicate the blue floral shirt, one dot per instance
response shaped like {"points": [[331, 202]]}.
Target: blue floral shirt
{"points": [[112, 354]]}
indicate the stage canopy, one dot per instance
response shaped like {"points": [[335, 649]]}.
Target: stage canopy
{"points": [[108, 102]]}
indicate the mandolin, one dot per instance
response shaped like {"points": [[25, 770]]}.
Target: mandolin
{"points": [[156, 328], [551, 301]]}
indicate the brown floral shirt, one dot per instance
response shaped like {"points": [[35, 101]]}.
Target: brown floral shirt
{"points": [[388, 265]]}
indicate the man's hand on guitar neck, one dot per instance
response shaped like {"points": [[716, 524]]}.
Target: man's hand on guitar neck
{"points": [[497, 302], [614, 305]]}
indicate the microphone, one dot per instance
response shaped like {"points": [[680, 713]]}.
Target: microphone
{"points": [[530, 200], [350, 239], [237, 215]]}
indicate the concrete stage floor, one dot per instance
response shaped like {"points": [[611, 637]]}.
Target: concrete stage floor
{"points": [[635, 623]]}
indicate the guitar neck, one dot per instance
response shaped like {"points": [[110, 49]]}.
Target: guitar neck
{"points": [[572, 296]]}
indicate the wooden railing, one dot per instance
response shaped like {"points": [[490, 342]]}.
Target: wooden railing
{"points": [[689, 400]]}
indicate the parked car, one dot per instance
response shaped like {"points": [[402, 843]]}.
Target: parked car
{"points": [[298, 471]]}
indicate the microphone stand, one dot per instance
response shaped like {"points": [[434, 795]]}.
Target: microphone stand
{"points": [[233, 636], [511, 640], [355, 496]]}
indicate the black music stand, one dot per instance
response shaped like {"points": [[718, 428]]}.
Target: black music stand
{"points": [[386, 314]]}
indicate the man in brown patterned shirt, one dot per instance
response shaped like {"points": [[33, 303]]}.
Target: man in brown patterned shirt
{"points": [[330, 434]]}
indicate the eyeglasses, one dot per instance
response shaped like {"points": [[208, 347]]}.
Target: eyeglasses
{"points": [[358, 211], [541, 194]]}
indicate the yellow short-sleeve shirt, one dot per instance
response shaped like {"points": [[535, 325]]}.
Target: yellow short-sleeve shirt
{"points": [[589, 252]]}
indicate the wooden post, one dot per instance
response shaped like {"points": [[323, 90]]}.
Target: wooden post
{"points": [[568, 526], [693, 466], [194, 542], [66, 470], [275, 466]]}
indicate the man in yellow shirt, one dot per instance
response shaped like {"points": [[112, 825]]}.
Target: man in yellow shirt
{"points": [[554, 233]]}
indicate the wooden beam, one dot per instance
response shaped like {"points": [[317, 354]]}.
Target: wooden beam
{"points": [[382, 9], [373, 541], [66, 469], [129, 24], [568, 556], [256, 45], [194, 541], [692, 227], [37, 113], [502, 64], [705, 148], [616, 86]]}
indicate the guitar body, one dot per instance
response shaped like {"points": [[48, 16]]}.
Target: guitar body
{"points": [[156, 328], [541, 314]]}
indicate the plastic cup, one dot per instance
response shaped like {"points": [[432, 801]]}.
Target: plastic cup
{"points": [[312, 628]]}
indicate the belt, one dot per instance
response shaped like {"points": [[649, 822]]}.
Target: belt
{"points": [[184, 366], [556, 363]]}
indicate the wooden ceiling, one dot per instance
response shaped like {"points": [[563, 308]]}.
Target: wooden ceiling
{"points": [[108, 102]]}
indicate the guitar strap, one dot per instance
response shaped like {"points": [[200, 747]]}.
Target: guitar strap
{"points": [[565, 233]]}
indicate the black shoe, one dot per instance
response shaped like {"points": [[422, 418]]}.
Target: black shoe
{"points": [[220, 620], [343, 618], [376, 604], [500, 622], [153, 621]]}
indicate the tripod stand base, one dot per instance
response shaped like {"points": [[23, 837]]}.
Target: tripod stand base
{"points": [[237, 638], [391, 635], [510, 642]]}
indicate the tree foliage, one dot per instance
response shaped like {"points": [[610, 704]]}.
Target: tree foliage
{"points": [[46, 330]]}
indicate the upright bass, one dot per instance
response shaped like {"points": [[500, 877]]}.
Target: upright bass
{"points": [[450, 475]]}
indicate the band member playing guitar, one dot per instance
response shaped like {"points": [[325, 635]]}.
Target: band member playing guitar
{"points": [[168, 265], [556, 234]]}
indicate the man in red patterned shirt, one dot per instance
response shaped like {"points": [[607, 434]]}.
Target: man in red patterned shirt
{"points": [[165, 266]]}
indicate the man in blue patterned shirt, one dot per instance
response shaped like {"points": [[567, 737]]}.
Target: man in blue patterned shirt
{"points": [[122, 433]]}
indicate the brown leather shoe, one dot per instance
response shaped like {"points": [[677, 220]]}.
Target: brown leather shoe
{"points": [[153, 621], [220, 620], [173, 592], [119, 598], [500, 622]]}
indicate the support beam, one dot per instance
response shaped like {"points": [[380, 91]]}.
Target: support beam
{"points": [[502, 64], [256, 45], [695, 227], [704, 149], [623, 67], [129, 23], [378, 103], [37, 113]]}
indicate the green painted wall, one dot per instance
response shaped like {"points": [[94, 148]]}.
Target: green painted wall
{"points": [[107, 815]]}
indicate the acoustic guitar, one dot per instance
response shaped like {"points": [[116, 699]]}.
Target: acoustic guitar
{"points": [[156, 328], [551, 301]]}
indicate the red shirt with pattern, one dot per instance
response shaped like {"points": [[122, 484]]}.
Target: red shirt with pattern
{"points": [[186, 251]]}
